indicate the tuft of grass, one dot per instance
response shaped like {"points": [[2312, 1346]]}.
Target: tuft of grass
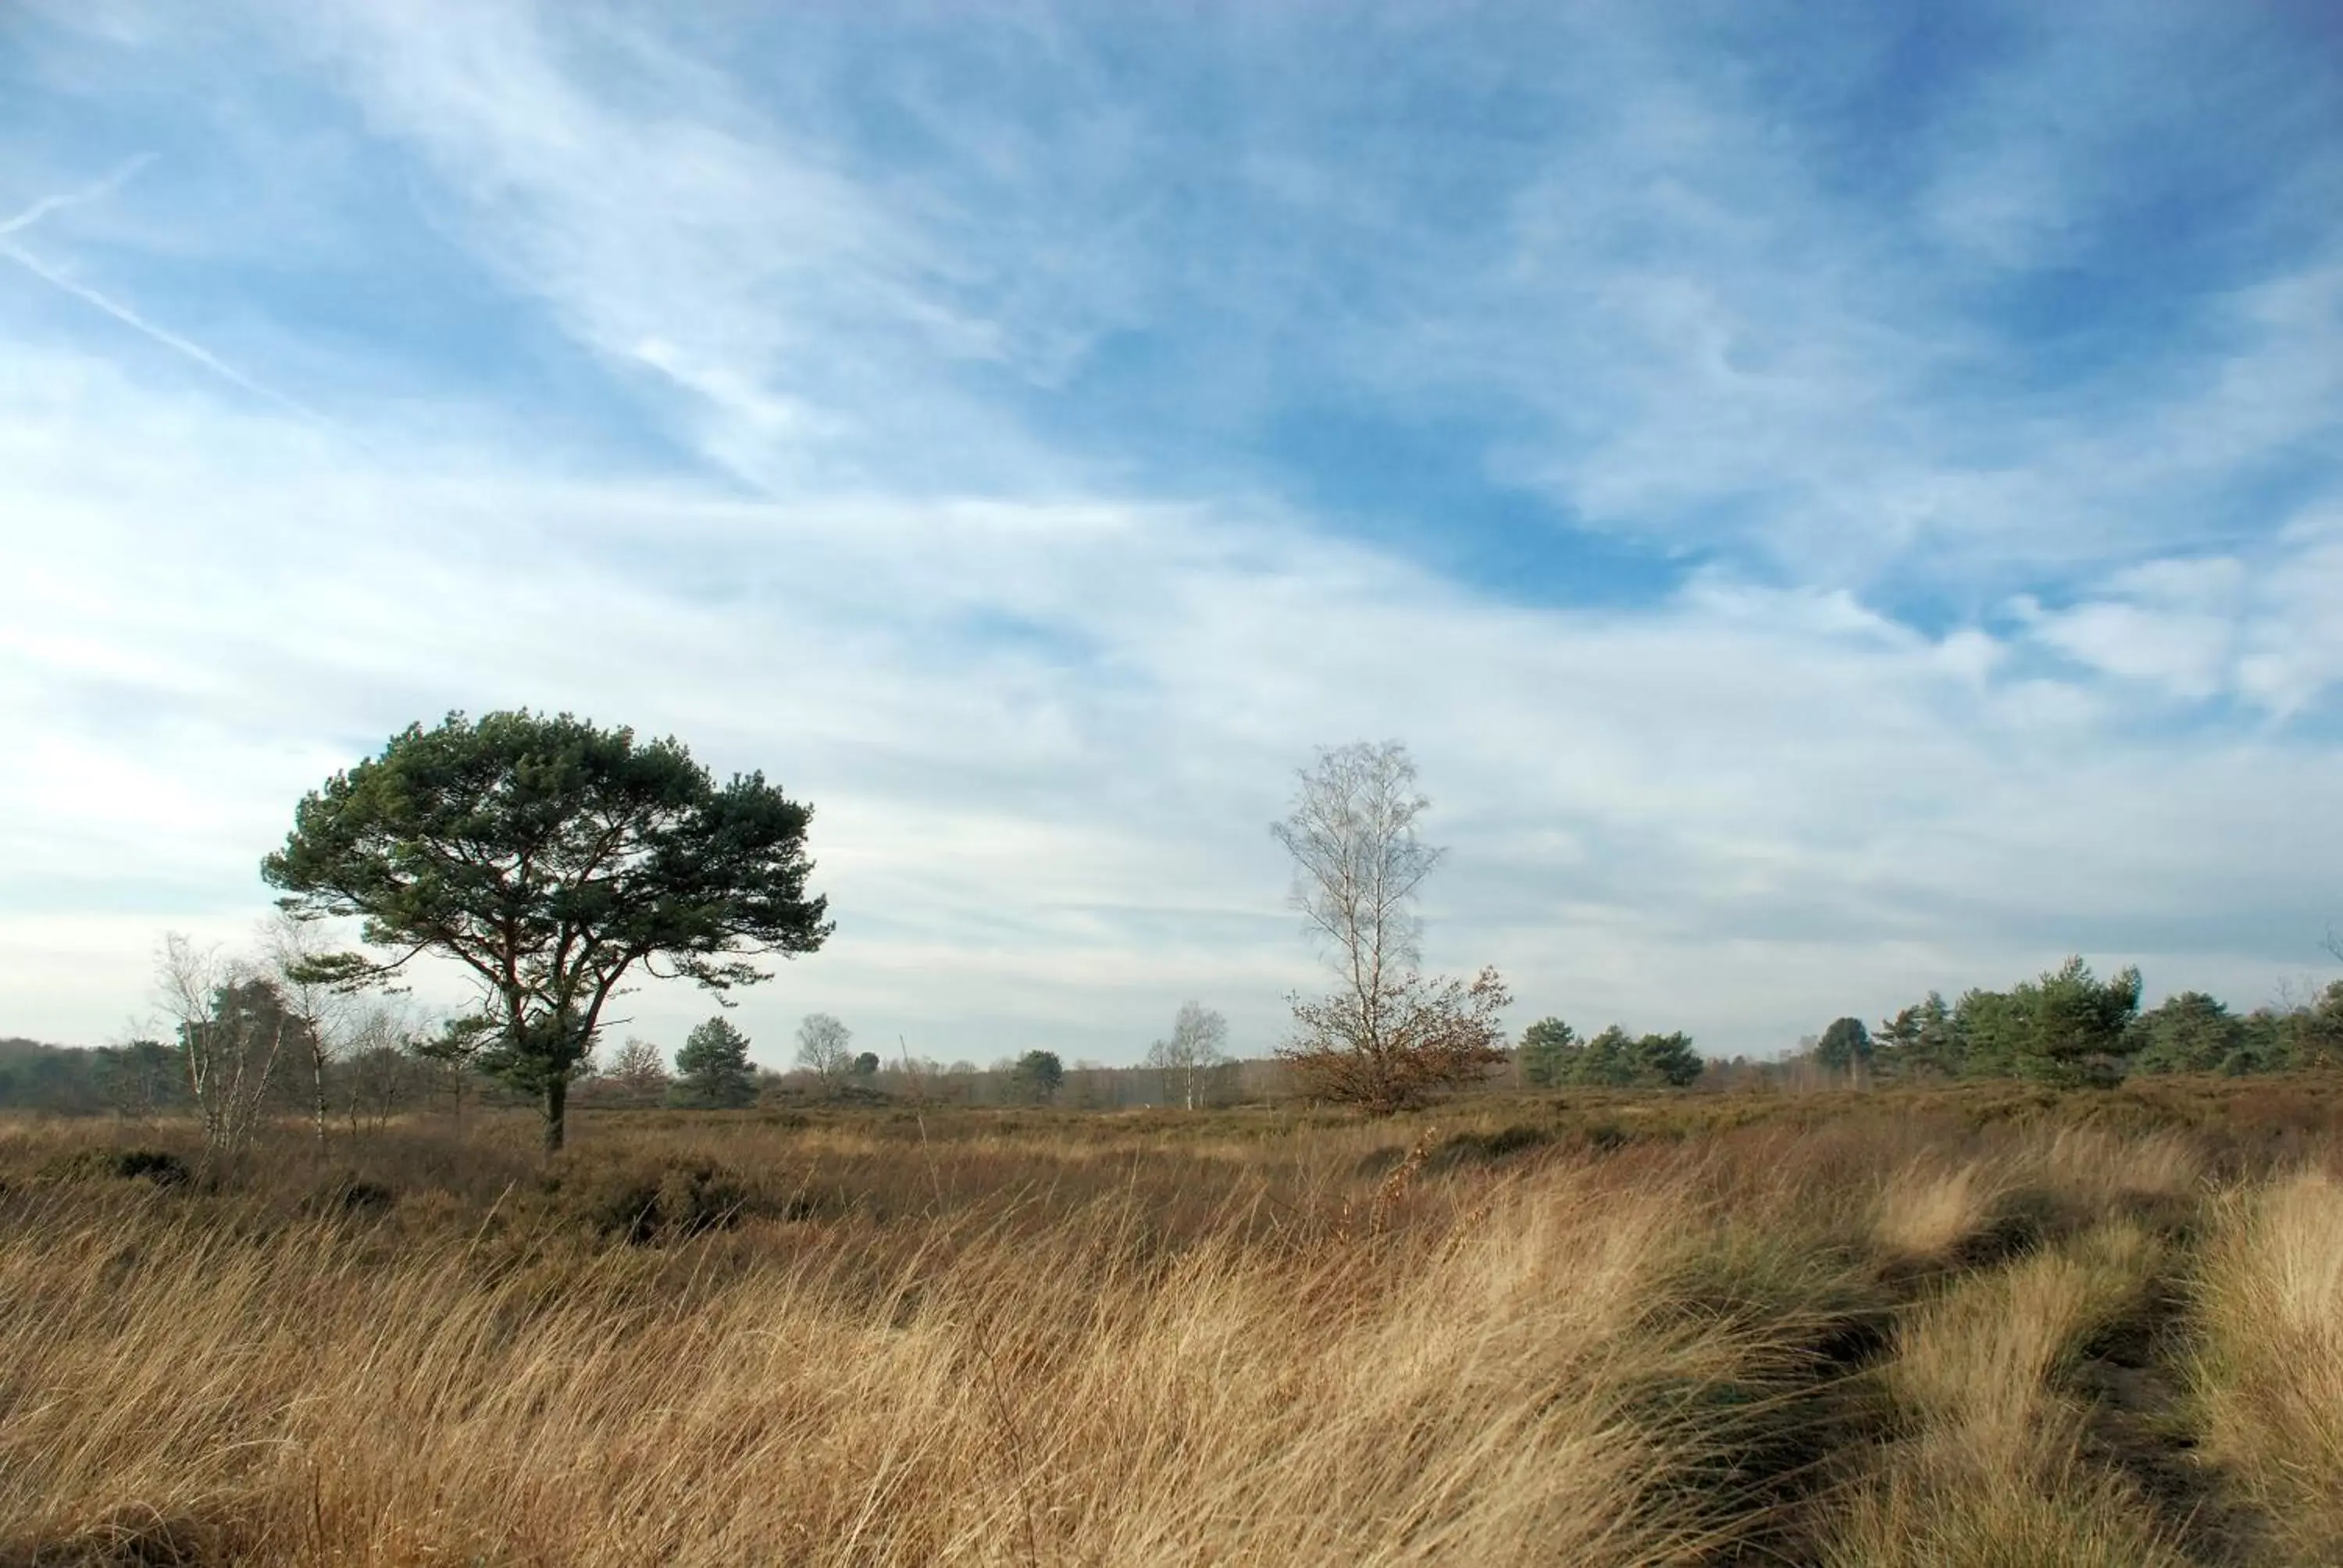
{"points": [[1993, 1466], [1925, 1213], [2268, 1374], [1911, 1523]]}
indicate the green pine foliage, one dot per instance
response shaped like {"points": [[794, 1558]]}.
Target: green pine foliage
{"points": [[2066, 1026], [1553, 1057], [1919, 1043], [1845, 1046], [1038, 1075], [712, 1068], [550, 858], [2190, 1032], [1547, 1050]]}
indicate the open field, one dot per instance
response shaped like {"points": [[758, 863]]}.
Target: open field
{"points": [[1989, 1325]]}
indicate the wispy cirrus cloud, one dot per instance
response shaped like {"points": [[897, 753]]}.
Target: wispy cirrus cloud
{"points": [[1826, 530], [1675, 812], [815, 317]]}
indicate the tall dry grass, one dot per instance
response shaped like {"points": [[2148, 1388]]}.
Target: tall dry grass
{"points": [[1992, 1467], [2269, 1373], [1503, 1388], [1640, 1332]]}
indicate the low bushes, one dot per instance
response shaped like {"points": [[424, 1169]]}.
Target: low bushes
{"points": [[157, 1166]]}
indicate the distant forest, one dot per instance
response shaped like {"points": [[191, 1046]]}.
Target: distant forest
{"points": [[148, 1078], [2067, 1026]]}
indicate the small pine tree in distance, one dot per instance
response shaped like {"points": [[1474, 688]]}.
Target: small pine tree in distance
{"points": [[1549, 1050], [1037, 1075], [1845, 1046], [712, 1069]]}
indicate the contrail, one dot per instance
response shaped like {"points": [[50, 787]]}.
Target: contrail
{"points": [[168, 339], [120, 176], [99, 192]]}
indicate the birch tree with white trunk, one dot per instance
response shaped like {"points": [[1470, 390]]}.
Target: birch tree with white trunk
{"points": [[1386, 1038], [234, 1026], [1196, 1045]]}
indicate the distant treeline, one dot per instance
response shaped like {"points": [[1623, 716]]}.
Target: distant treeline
{"points": [[148, 1078], [2069, 1027], [2066, 1026]]}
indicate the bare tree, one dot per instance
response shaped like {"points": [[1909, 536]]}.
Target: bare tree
{"points": [[1357, 861], [823, 1048], [1387, 1037], [379, 1062], [320, 992], [233, 1025], [137, 1075], [1431, 1034], [1196, 1046], [638, 1070], [454, 1052]]}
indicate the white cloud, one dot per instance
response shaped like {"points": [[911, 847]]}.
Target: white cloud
{"points": [[1059, 841], [810, 311], [1717, 348], [2172, 622], [1045, 716], [2294, 636], [2201, 628]]}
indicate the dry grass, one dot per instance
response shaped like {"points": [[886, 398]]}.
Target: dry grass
{"points": [[1626, 1332], [1994, 1470], [1488, 1392], [2269, 1371]]}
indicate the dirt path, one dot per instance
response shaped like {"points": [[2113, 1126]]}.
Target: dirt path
{"points": [[2131, 1375]]}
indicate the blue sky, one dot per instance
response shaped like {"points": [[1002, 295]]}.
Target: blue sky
{"points": [[1839, 500]]}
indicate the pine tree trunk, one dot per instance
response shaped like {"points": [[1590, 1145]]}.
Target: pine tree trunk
{"points": [[557, 1102]]}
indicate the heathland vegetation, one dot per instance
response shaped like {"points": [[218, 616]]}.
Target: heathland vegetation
{"points": [[2030, 1277], [1992, 1324]]}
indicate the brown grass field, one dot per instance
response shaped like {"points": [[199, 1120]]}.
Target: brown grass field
{"points": [[1973, 1326]]}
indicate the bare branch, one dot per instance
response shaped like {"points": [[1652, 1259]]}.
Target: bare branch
{"points": [[1385, 1036]]}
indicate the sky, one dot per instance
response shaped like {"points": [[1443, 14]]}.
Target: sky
{"points": [[1837, 499]]}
